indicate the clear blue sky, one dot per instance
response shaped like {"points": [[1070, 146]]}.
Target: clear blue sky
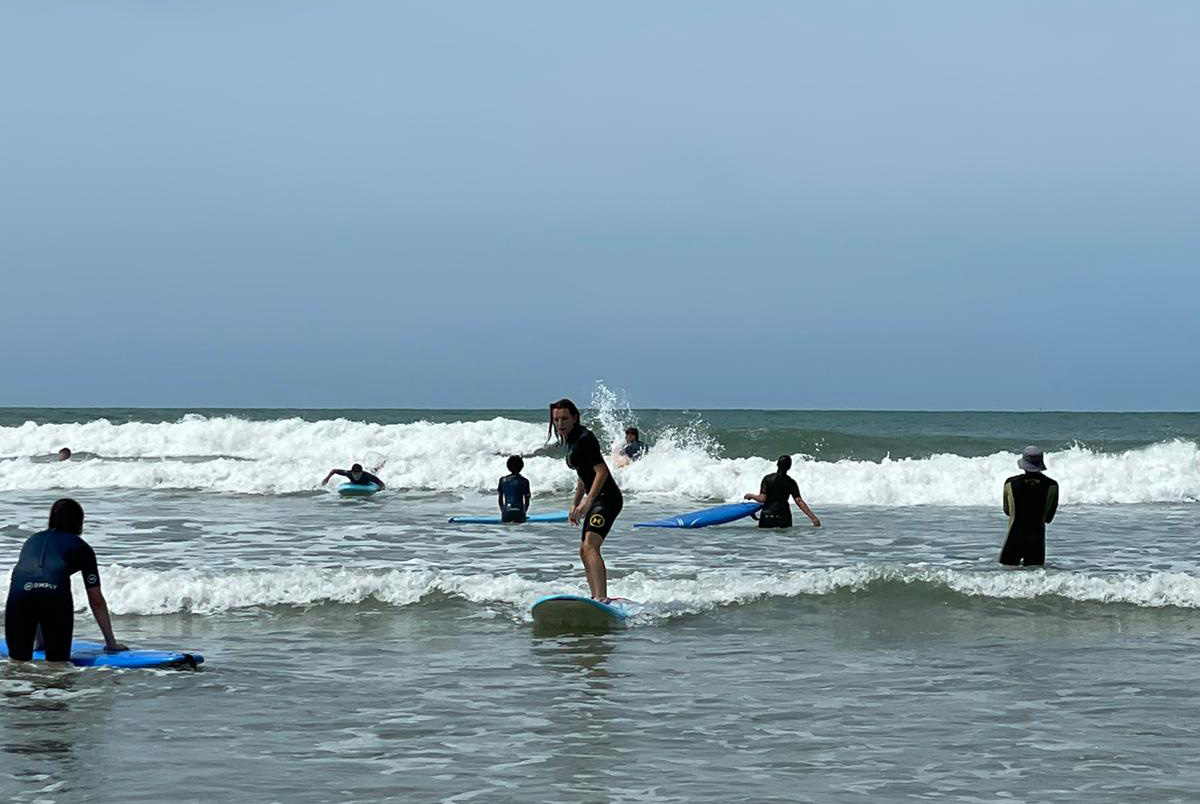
{"points": [[766, 204]]}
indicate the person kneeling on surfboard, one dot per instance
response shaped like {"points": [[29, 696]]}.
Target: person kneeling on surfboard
{"points": [[512, 493], [39, 595], [357, 476], [774, 492], [597, 500]]}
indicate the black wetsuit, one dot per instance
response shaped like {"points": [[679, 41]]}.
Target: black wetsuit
{"points": [[583, 457], [512, 492], [40, 593], [364, 478], [634, 450], [1030, 501], [777, 510]]}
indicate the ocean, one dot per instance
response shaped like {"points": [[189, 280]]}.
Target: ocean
{"points": [[366, 650]]}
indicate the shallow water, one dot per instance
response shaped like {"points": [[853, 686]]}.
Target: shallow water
{"points": [[367, 650]]}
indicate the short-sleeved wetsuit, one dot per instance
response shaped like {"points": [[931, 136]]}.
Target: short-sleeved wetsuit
{"points": [[512, 491], [40, 593], [364, 478], [1030, 500], [780, 489], [583, 457]]}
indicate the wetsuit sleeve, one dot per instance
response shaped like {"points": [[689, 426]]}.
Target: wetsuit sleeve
{"points": [[793, 487], [341, 472], [83, 561], [1051, 502], [525, 487], [762, 487], [370, 478], [1008, 507]]}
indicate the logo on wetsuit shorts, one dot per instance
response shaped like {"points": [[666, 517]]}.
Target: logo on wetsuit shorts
{"points": [[93, 580], [596, 520], [31, 585]]}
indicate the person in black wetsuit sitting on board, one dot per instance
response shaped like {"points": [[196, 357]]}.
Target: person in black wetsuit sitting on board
{"points": [[39, 594], [357, 476], [597, 501], [776, 490], [512, 493]]}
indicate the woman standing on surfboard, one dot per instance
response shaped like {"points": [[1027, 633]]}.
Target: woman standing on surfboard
{"points": [[597, 500]]}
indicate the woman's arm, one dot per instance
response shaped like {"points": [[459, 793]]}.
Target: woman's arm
{"points": [[808, 512], [100, 612]]}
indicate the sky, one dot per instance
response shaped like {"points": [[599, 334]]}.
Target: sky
{"points": [[882, 205]]}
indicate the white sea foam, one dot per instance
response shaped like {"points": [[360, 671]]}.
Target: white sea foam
{"points": [[228, 454], [151, 592]]}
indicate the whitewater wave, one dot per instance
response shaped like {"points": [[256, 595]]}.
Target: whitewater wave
{"points": [[285, 456], [157, 592]]}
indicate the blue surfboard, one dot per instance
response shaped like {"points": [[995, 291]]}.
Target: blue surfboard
{"points": [[495, 520], [92, 654], [709, 516], [357, 489], [576, 611]]}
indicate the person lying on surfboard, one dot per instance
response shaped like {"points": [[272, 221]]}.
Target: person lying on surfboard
{"points": [[357, 476], [597, 500]]}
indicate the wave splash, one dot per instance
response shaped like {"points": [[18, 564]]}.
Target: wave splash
{"points": [[287, 456], [158, 592]]}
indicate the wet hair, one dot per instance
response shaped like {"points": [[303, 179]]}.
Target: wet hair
{"points": [[515, 464], [784, 463], [66, 514], [562, 404], [356, 467], [63, 457], [634, 431]]}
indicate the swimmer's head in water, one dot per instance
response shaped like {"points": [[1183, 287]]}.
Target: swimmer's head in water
{"points": [[64, 454], [784, 463], [515, 464], [631, 434], [356, 471], [66, 514], [563, 418]]}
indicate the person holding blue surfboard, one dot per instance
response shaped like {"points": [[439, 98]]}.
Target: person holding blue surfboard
{"points": [[597, 501], [774, 493], [40, 607]]}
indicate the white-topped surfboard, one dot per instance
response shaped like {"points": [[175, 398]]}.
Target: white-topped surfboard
{"points": [[566, 611]]}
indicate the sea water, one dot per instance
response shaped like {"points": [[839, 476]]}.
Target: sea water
{"points": [[367, 650]]}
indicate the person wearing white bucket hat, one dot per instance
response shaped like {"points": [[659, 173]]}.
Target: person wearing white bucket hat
{"points": [[1030, 500]]}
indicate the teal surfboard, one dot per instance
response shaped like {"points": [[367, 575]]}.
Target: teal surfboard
{"points": [[576, 611], [357, 489]]}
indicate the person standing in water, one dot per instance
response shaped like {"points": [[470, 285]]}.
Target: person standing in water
{"points": [[597, 501], [774, 493], [512, 492], [39, 594], [1030, 500]]}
